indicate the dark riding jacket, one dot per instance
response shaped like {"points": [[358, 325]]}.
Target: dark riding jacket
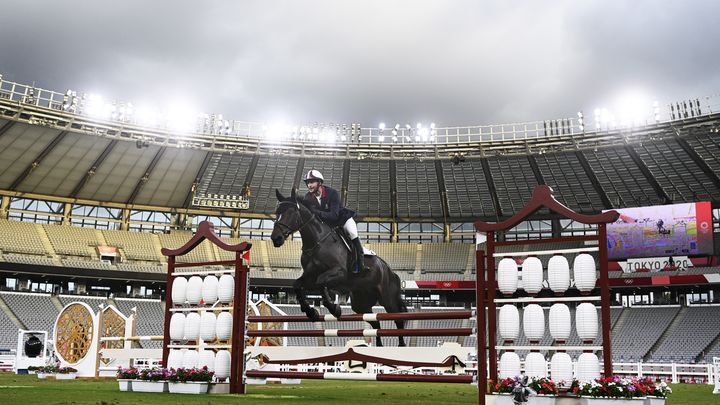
{"points": [[329, 210]]}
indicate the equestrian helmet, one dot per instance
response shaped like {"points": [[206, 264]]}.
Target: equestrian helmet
{"points": [[314, 175]]}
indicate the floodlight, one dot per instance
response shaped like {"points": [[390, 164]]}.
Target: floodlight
{"points": [[432, 125], [381, 138], [381, 126], [394, 138]]}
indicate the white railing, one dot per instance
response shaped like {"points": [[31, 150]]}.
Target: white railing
{"points": [[80, 104]]}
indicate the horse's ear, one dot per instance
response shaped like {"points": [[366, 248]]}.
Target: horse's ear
{"points": [[279, 196], [293, 194]]}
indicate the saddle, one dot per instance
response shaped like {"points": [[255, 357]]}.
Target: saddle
{"points": [[340, 233]]}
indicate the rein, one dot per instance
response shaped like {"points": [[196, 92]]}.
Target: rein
{"points": [[289, 231]]}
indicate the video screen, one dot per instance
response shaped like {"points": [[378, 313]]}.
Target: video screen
{"points": [[661, 230]]}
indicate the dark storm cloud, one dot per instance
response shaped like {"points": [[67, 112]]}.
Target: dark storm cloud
{"points": [[454, 62]]}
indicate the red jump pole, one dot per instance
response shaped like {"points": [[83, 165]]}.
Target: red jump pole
{"points": [[168, 314]]}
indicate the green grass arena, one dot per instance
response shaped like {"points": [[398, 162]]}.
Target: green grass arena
{"points": [[28, 390]]}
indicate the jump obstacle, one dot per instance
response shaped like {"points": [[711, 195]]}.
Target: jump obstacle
{"points": [[485, 298]]}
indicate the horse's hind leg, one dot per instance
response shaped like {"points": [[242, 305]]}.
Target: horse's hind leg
{"points": [[298, 287], [396, 305], [362, 304]]}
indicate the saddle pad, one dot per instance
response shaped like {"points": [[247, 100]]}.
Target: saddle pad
{"points": [[368, 252]]}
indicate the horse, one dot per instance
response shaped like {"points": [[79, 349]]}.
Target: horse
{"points": [[325, 261]]}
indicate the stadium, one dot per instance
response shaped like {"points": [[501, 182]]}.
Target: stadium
{"points": [[91, 193]]}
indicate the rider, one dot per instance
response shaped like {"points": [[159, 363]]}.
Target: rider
{"points": [[324, 201]]}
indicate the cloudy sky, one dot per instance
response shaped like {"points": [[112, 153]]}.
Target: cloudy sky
{"points": [[452, 62]]}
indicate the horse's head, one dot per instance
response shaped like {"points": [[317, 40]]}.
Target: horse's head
{"points": [[288, 217]]}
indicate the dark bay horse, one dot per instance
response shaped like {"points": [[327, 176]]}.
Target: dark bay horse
{"points": [[324, 261]]}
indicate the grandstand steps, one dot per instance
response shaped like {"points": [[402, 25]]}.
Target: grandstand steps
{"points": [[679, 315], [157, 246], [620, 320], [56, 301], [100, 238], [716, 342], [11, 315], [262, 249], [45, 240], [470, 262]]}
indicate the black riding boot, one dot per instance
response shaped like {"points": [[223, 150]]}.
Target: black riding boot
{"points": [[359, 257]]}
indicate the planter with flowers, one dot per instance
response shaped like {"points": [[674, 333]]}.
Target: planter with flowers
{"points": [[151, 380], [499, 392], [190, 380], [65, 373], [610, 391], [44, 372], [656, 392], [125, 377], [545, 391]]}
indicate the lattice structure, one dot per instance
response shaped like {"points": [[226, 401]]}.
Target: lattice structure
{"points": [[74, 333]]}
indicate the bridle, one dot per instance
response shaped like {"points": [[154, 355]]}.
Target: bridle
{"points": [[287, 230]]}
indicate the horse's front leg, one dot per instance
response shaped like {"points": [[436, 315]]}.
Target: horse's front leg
{"points": [[327, 280], [299, 287], [327, 301]]}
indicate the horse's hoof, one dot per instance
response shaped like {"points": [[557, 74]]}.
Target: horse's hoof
{"points": [[312, 314]]}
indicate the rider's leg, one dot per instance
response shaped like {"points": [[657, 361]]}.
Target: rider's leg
{"points": [[350, 228]]}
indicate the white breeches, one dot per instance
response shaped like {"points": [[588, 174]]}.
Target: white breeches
{"points": [[350, 228]]}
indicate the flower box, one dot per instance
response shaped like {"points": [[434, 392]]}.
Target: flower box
{"points": [[541, 400], [499, 399], [219, 388], [149, 386], [611, 401], [654, 401], [65, 376], [125, 385], [190, 387]]}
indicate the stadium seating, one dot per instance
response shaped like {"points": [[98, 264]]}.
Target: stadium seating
{"points": [[569, 181], [35, 311], [444, 257], [637, 330], [369, 188], [468, 194], [225, 174], [139, 246], [8, 332], [514, 180], [73, 241], [621, 178], [30, 243], [271, 172], [696, 328], [418, 192]]}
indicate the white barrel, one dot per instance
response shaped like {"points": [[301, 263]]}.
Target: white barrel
{"points": [[561, 368], [507, 276], [175, 358], [226, 288], [177, 326], [535, 365], [207, 326], [192, 326], [222, 364], [193, 293], [584, 272], [190, 358], [588, 367], [206, 358], [223, 326], [586, 321], [509, 365], [210, 290], [509, 322], [179, 285], [559, 322], [534, 322], [558, 274], [532, 275]]}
